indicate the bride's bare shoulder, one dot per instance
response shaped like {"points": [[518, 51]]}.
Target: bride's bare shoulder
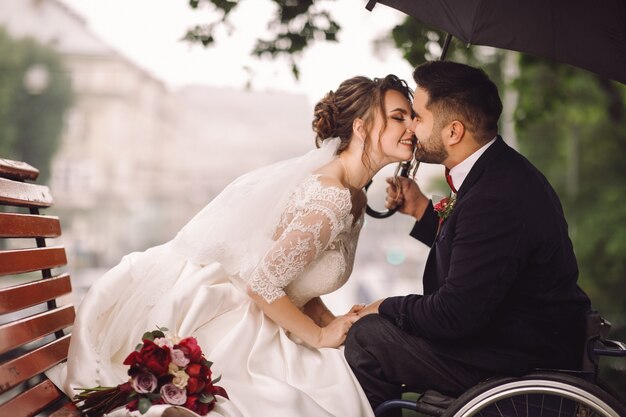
{"points": [[329, 175]]}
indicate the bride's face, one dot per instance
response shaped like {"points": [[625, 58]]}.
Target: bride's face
{"points": [[394, 143]]}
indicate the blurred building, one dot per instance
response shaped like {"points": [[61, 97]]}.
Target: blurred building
{"points": [[137, 160]]}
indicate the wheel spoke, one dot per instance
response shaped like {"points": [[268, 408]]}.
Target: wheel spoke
{"points": [[514, 407], [498, 408]]}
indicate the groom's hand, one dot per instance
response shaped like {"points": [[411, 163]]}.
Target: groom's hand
{"points": [[370, 309], [356, 309], [404, 195]]}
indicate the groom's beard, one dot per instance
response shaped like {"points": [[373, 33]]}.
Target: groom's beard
{"points": [[431, 150]]}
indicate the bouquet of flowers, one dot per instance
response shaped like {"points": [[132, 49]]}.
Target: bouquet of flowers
{"points": [[163, 370]]}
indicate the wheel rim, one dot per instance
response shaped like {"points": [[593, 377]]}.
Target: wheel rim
{"points": [[590, 401]]}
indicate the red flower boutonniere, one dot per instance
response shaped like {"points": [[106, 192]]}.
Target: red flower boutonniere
{"points": [[445, 206]]}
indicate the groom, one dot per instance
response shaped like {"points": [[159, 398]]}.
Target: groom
{"points": [[500, 293]]}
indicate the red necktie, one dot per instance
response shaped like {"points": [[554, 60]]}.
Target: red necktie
{"points": [[449, 181]]}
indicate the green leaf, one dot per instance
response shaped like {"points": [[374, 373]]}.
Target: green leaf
{"points": [[153, 396], [144, 405], [157, 334], [206, 398], [138, 347], [207, 363], [148, 336], [163, 329], [216, 380]]}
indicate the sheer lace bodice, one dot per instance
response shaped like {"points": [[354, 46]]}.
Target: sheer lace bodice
{"points": [[315, 243]]}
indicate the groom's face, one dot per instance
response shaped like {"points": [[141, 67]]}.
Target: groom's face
{"points": [[430, 147]]}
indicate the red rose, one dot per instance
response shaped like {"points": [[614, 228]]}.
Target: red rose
{"points": [[441, 205], [191, 403], [155, 358], [133, 404], [194, 370], [192, 385], [204, 408], [195, 385], [189, 346], [133, 359]]}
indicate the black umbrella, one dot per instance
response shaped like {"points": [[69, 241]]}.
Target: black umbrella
{"points": [[589, 34]]}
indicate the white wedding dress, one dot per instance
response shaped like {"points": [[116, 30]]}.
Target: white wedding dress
{"points": [[195, 285]]}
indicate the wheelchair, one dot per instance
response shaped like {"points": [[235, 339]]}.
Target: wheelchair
{"points": [[541, 393]]}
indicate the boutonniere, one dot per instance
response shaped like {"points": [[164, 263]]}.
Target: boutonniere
{"points": [[445, 206]]}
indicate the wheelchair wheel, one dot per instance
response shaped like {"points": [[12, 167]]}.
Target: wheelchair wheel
{"points": [[536, 395]]}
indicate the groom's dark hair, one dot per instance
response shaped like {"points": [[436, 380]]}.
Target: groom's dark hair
{"points": [[459, 91]]}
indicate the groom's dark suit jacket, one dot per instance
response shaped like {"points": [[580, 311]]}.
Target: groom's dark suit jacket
{"points": [[500, 288]]}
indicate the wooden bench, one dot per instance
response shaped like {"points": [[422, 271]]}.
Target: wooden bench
{"points": [[34, 331]]}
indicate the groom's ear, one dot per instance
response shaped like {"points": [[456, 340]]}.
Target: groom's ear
{"points": [[454, 132]]}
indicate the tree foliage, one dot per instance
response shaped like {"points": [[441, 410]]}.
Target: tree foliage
{"points": [[572, 125], [295, 26], [35, 92]]}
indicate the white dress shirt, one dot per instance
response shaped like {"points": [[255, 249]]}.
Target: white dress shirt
{"points": [[460, 171]]}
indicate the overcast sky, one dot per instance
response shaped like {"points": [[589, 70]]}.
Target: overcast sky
{"points": [[149, 32]]}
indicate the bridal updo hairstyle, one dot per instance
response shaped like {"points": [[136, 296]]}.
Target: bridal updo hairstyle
{"points": [[357, 97]]}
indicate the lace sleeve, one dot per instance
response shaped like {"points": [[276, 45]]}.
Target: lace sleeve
{"points": [[313, 225]]}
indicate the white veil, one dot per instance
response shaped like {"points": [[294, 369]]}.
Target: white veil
{"points": [[236, 227]]}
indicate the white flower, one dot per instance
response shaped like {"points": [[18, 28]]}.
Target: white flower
{"points": [[163, 341], [171, 394], [180, 379]]}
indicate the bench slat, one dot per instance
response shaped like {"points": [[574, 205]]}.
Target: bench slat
{"points": [[68, 410], [33, 401], [27, 225], [20, 332], [20, 369], [26, 295], [24, 195], [17, 170], [18, 261]]}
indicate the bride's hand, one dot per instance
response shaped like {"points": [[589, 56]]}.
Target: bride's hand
{"points": [[356, 308], [334, 334]]}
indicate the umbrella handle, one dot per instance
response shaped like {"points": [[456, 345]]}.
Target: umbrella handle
{"points": [[404, 168]]}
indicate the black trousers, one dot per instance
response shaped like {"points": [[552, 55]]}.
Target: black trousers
{"points": [[388, 361]]}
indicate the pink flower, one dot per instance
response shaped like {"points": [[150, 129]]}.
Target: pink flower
{"points": [[171, 394], [179, 358], [144, 382]]}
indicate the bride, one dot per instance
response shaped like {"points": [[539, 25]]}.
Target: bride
{"points": [[245, 275]]}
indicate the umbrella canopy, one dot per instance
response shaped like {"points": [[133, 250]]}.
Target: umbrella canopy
{"points": [[589, 34]]}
